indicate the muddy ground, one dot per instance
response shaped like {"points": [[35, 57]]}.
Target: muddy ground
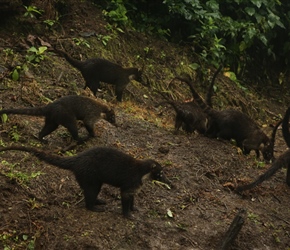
{"points": [[42, 207]]}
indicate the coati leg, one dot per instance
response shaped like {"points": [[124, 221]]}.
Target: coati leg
{"points": [[71, 126], [100, 202], [178, 123], [91, 194], [127, 200], [288, 175], [48, 128], [89, 125], [93, 86], [119, 91]]}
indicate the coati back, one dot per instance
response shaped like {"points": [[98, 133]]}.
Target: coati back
{"points": [[232, 124], [66, 111], [282, 161], [98, 70], [189, 116], [101, 165]]}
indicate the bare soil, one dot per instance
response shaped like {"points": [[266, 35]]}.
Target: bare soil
{"points": [[42, 207]]}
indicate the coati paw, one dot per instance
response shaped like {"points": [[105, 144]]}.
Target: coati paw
{"points": [[97, 209], [128, 216], [100, 202], [134, 209]]}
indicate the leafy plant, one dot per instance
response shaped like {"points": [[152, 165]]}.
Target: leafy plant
{"points": [[34, 204], [20, 177], [36, 55], [17, 240], [81, 41], [32, 11], [104, 39], [15, 74], [117, 12], [14, 134], [4, 118], [50, 23], [245, 35]]}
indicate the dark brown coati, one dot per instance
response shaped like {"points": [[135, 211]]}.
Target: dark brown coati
{"points": [[101, 165], [189, 116], [282, 161], [96, 70], [66, 111], [232, 124]]}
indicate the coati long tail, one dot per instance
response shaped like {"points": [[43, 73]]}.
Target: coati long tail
{"points": [[282, 161], [37, 111], [73, 62], [285, 127], [61, 162]]}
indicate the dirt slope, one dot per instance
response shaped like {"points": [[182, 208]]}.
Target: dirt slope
{"points": [[42, 207]]}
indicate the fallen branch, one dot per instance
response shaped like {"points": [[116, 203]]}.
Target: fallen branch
{"points": [[234, 229]]}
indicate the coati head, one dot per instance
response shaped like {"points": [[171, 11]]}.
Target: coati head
{"points": [[110, 117], [138, 77], [267, 151], [156, 173]]}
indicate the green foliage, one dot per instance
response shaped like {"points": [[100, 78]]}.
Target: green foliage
{"points": [[81, 42], [32, 12], [50, 23], [4, 118], [14, 134], [14, 174], [104, 39], [243, 34], [16, 72], [36, 55], [117, 12], [16, 240]]}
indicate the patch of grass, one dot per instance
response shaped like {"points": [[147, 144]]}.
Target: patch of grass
{"points": [[21, 178], [12, 239]]}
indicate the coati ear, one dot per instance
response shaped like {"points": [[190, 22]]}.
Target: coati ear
{"points": [[155, 165]]}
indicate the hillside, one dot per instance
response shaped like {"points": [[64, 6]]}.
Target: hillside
{"points": [[42, 207]]}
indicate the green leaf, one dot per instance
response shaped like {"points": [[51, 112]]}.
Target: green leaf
{"points": [[15, 75], [194, 66], [4, 118], [250, 11], [258, 3], [32, 49], [42, 49]]}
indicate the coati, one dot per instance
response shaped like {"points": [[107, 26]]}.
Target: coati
{"points": [[232, 124], [96, 70], [189, 116], [102, 165], [66, 111], [282, 161]]}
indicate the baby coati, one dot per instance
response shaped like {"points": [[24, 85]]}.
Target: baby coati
{"points": [[66, 111], [282, 161], [98, 70], [232, 124], [189, 116], [101, 165]]}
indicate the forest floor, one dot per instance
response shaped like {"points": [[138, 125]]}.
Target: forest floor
{"points": [[42, 207]]}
